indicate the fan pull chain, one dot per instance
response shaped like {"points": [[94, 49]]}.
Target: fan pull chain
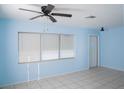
{"points": [[44, 25], [47, 24]]}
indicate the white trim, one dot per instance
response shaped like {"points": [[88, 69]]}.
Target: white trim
{"points": [[27, 72], [99, 51], [38, 72], [114, 68], [89, 47]]}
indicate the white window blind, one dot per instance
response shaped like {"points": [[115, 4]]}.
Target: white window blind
{"points": [[37, 47], [66, 46], [29, 47], [50, 46]]}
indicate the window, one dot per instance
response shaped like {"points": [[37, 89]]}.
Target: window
{"points": [[50, 46], [66, 46], [37, 47], [29, 47]]}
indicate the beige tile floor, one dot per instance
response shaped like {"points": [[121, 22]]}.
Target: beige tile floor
{"points": [[95, 78]]}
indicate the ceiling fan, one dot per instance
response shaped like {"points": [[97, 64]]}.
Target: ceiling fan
{"points": [[47, 11]]}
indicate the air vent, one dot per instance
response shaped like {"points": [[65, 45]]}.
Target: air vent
{"points": [[90, 17]]}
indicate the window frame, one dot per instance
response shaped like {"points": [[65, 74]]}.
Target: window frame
{"points": [[59, 48]]}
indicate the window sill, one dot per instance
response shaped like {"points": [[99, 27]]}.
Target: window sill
{"points": [[44, 61]]}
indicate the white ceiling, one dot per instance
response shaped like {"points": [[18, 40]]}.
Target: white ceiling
{"points": [[107, 15]]}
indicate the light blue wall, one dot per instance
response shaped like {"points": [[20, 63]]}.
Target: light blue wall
{"points": [[12, 72], [112, 48], [2, 50]]}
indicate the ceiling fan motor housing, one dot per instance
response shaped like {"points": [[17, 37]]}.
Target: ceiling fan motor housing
{"points": [[43, 9], [47, 9]]}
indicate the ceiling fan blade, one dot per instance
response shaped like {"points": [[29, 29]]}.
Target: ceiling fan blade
{"points": [[52, 18], [30, 10], [36, 17], [61, 14], [49, 8]]}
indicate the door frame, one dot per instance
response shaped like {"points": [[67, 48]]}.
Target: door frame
{"points": [[98, 63]]}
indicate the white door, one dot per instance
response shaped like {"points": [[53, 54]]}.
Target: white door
{"points": [[93, 51]]}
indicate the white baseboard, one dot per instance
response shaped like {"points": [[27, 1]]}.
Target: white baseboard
{"points": [[113, 68]]}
